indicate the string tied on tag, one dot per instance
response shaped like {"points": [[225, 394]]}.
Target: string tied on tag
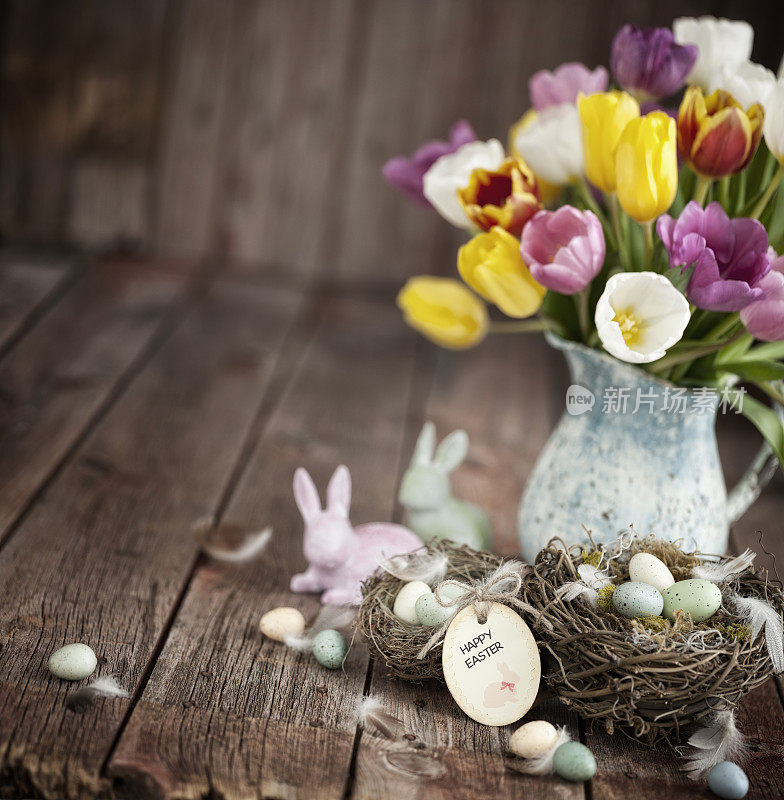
{"points": [[502, 585]]}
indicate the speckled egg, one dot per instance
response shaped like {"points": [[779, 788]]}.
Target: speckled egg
{"points": [[429, 612], [646, 568], [728, 780], [699, 597], [405, 602], [533, 739], [282, 622], [450, 591], [73, 662], [635, 599], [574, 762], [329, 648]]}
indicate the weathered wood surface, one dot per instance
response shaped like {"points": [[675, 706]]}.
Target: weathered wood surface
{"points": [[209, 389], [103, 555], [254, 129]]}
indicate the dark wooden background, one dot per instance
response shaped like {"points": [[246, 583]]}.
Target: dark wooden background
{"points": [[253, 130], [234, 148]]}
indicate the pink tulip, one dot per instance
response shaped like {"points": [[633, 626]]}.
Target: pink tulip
{"points": [[764, 318], [562, 84], [564, 249]]}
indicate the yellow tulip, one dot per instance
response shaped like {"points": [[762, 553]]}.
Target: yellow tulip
{"points": [[492, 266], [444, 311], [604, 116], [646, 163]]}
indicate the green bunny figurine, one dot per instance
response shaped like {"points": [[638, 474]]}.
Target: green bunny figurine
{"points": [[426, 494]]}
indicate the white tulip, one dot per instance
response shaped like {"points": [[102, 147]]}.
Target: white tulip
{"points": [[720, 41], [773, 126], [552, 144], [748, 82], [640, 315], [453, 171]]}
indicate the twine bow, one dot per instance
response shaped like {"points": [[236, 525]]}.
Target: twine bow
{"points": [[502, 585]]}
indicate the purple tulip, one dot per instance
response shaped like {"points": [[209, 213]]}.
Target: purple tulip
{"points": [[776, 261], [564, 249], [730, 257], [648, 63], [563, 84], [764, 319], [406, 174]]}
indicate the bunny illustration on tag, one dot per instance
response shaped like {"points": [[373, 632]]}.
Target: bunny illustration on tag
{"points": [[340, 556], [501, 692]]}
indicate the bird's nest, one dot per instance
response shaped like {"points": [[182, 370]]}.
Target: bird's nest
{"points": [[396, 643], [650, 678]]}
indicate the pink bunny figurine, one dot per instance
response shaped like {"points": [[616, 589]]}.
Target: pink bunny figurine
{"points": [[501, 692], [339, 556]]}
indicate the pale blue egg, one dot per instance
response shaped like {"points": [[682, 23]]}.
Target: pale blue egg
{"points": [[429, 612], [574, 762], [635, 599], [699, 597], [728, 780], [329, 648]]}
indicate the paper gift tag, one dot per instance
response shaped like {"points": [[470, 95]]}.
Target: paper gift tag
{"points": [[492, 670]]}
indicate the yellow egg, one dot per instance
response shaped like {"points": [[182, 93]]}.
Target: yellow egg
{"points": [[282, 622], [533, 739]]}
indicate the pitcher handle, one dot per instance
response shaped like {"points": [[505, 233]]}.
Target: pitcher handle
{"points": [[750, 486]]}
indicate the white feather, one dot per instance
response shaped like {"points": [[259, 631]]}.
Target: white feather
{"points": [[373, 715], [720, 740], [759, 614], [419, 565], [253, 545], [328, 618], [543, 764], [718, 572], [574, 589], [593, 577], [105, 686]]}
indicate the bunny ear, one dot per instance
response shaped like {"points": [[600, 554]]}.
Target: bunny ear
{"points": [[306, 495], [452, 451], [339, 491], [426, 444]]}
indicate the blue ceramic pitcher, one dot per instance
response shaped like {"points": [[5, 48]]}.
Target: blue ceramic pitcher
{"points": [[633, 450]]}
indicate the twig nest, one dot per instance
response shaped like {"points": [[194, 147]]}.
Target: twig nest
{"points": [[74, 662], [396, 643], [650, 677]]}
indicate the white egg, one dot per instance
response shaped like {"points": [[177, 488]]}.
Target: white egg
{"points": [[405, 602], [282, 622], [73, 662], [533, 739], [646, 568]]}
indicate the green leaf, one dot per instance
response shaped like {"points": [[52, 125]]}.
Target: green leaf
{"points": [[769, 350], [755, 370], [736, 351], [764, 420]]}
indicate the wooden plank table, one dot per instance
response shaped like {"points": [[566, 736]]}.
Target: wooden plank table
{"points": [[140, 396]]}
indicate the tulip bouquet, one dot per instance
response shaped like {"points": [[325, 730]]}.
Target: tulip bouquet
{"points": [[644, 218]]}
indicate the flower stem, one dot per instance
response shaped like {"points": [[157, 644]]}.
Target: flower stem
{"points": [[582, 300], [701, 189], [527, 326], [772, 392], [590, 201], [769, 192], [692, 355], [615, 215], [647, 230]]}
